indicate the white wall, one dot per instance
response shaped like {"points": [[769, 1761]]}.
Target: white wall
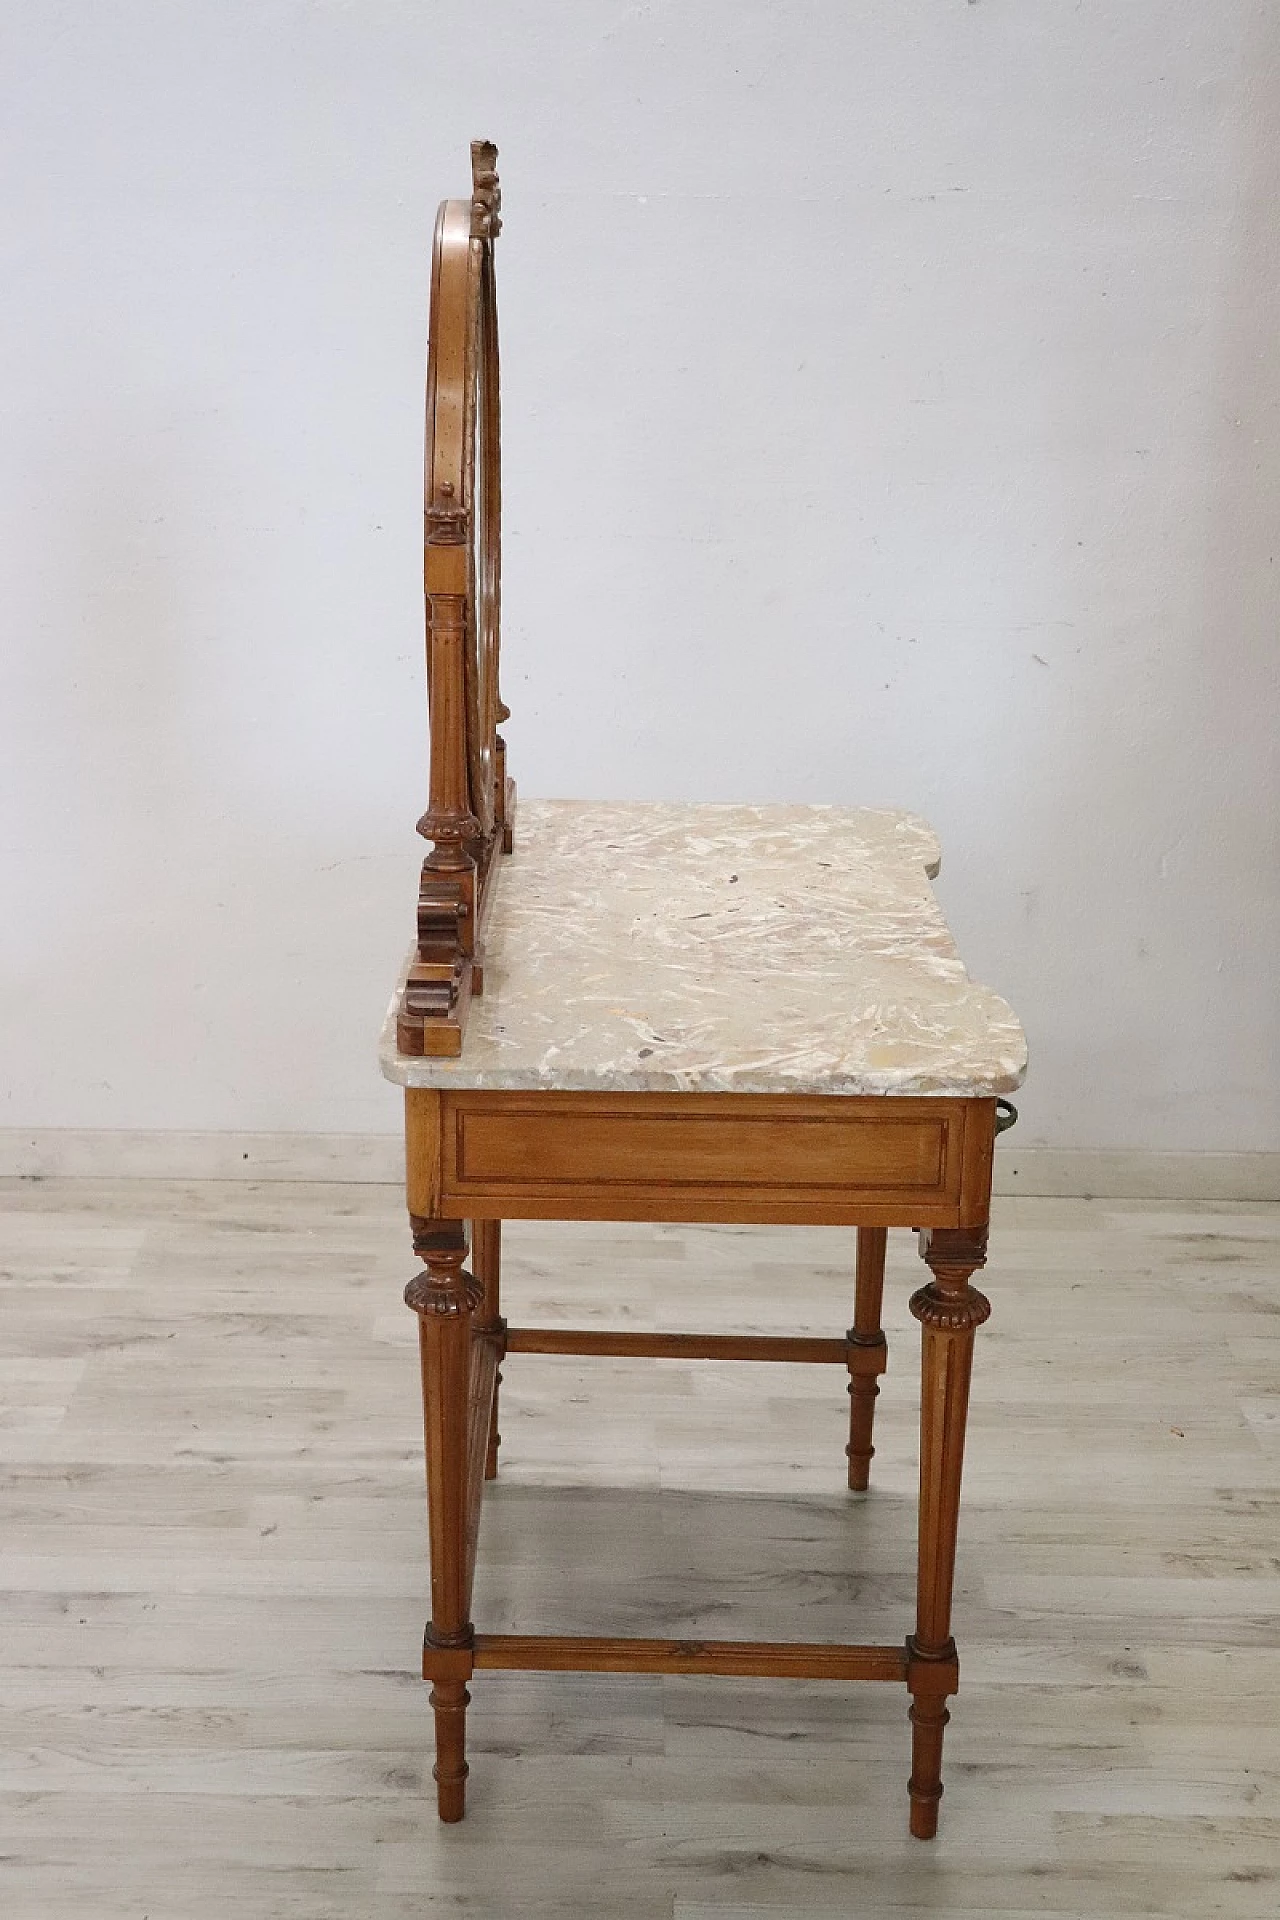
{"points": [[891, 416]]}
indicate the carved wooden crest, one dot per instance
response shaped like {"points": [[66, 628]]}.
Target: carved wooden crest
{"points": [[471, 809]]}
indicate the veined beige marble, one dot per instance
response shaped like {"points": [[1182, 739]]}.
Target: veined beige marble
{"points": [[647, 948]]}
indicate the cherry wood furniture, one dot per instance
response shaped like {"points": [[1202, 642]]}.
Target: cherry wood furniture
{"points": [[666, 1013]]}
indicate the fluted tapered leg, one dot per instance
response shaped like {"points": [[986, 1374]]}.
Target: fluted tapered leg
{"points": [[486, 1262], [868, 1352], [445, 1299], [949, 1310]]}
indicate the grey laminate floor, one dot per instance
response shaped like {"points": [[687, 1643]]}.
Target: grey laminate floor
{"points": [[212, 1573]]}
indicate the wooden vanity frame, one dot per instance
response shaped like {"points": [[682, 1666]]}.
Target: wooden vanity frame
{"points": [[481, 1157]]}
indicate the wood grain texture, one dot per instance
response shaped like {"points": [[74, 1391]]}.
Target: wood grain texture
{"points": [[737, 1158], [423, 1144], [761, 1659], [211, 1572], [791, 1348]]}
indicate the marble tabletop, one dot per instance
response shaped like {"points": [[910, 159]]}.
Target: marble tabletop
{"points": [[638, 947]]}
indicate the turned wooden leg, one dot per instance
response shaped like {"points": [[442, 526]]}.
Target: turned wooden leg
{"points": [[949, 1310], [486, 1260], [868, 1352], [445, 1300]]}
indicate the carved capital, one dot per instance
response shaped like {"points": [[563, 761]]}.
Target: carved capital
{"points": [[486, 194], [950, 1312], [949, 1304], [448, 829], [447, 1292], [445, 1288]]}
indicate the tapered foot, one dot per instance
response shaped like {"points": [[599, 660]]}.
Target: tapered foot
{"points": [[928, 1719], [868, 1354], [450, 1700], [864, 1389]]}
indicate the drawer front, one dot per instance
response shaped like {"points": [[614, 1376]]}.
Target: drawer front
{"points": [[707, 1157]]}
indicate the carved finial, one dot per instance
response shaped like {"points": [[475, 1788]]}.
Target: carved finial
{"points": [[486, 194]]}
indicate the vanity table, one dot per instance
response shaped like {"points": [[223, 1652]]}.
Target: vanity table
{"points": [[629, 1011]]}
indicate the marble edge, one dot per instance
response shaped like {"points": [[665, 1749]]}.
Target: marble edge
{"points": [[428, 1070]]}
